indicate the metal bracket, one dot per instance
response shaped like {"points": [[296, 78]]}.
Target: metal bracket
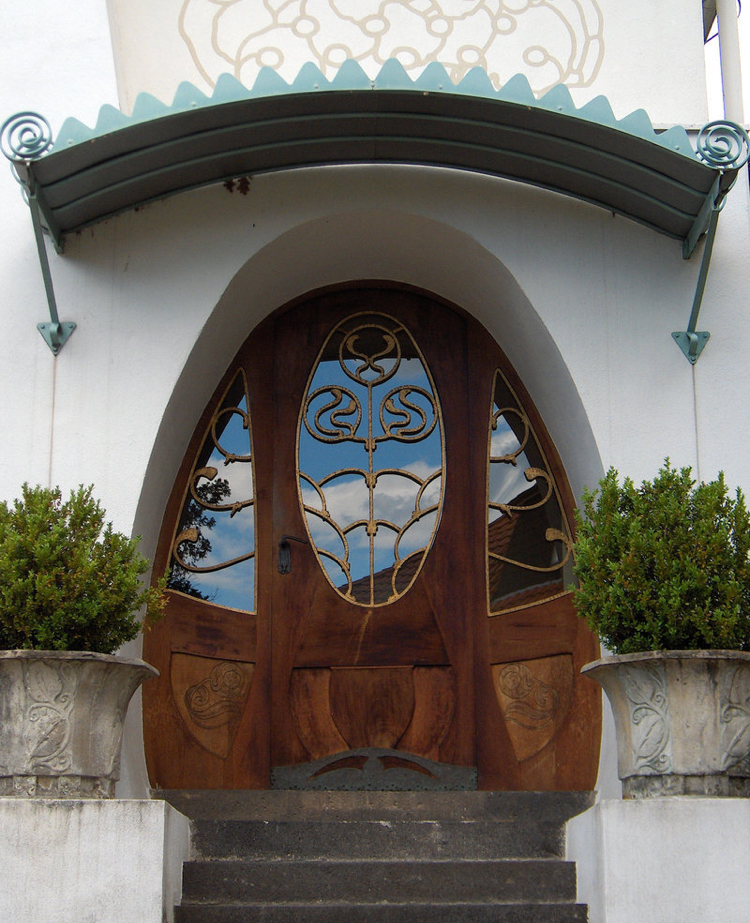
{"points": [[56, 333], [722, 145], [692, 341], [23, 138]]}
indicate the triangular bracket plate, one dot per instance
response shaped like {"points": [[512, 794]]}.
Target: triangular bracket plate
{"points": [[691, 344], [56, 335]]}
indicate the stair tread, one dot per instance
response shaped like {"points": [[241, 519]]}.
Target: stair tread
{"points": [[473, 902], [376, 839], [384, 880], [469, 902], [400, 863], [332, 807], [347, 912]]}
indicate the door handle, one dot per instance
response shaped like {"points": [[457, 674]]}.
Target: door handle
{"points": [[285, 552]]}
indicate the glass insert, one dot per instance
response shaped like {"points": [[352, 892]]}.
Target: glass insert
{"points": [[528, 536], [370, 452], [213, 553]]}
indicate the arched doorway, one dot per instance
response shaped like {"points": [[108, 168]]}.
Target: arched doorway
{"points": [[444, 656]]}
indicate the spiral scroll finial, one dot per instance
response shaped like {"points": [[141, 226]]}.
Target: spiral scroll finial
{"points": [[25, 136], [724, 145]]}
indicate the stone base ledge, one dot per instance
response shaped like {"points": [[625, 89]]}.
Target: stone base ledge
{"points": [[65, 861], [56, 787], [663, 860], [657, 786]]}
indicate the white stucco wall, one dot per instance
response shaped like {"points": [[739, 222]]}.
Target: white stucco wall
{"points": [[55, 59], [663, 860], [583, 302], [606, 292], [90, 861], [587, 44]]}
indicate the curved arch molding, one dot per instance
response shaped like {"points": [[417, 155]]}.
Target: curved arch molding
{"points": [[623, 165]]}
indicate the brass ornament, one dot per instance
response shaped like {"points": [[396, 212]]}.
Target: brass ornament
{"points": [[371, 392]]}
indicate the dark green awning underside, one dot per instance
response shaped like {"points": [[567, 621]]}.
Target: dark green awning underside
{"points": [[623, 165]]}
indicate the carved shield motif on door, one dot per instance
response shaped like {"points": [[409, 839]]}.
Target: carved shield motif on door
{"points": [[534, 697], [211, 696]]}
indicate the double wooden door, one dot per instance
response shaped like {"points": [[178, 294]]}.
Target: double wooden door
{"points": [[368, 546]]}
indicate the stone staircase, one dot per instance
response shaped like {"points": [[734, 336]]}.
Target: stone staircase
{"points": [[380, 857]]}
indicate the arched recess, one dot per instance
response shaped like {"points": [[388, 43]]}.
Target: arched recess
{"points": [[384, 245]]}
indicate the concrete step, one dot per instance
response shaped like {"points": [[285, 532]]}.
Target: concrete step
{"points": [[377, 839], [331, 807], [379, 857], [344, 912], [354, 881]]}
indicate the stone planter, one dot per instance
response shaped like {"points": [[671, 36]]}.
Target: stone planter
{"points": [[61, 718], [682, 720]]}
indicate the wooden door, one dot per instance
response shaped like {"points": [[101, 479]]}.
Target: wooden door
{"points": [[345, 456]]}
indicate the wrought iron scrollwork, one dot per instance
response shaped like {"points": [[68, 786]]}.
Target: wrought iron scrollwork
{"points": [[528, 534], [351, 410], [25, 136], [207, 540], [724, 145]]}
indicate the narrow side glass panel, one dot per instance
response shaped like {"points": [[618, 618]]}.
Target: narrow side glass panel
{"points": [[213, 552], [528, 536]]}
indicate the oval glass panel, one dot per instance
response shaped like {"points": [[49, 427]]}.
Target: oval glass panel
{"points": [[371, 459], [529, 542], [213, 552]]}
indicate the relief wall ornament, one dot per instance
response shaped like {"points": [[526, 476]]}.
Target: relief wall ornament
{"points": [[648, 700], [50, 688], [550, 41], [734, 716]]}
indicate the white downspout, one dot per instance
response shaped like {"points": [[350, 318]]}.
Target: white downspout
{"points": [[729, 51]]}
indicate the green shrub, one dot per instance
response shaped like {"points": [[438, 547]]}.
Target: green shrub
{"points": [[67, 581], [664, 566]]}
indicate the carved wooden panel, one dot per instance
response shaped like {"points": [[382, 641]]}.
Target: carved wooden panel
{"points": [[338, 709], [434, 702], [372, 707], [534, 697], [311, 709], [211, 696]]}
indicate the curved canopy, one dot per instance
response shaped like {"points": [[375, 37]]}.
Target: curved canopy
{"points": [[621, 165]]}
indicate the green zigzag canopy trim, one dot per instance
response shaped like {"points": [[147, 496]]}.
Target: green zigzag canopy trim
{"points": [[622, 165], [392, 76]]}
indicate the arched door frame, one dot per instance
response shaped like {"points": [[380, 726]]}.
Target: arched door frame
{"points": [[407, 248]]}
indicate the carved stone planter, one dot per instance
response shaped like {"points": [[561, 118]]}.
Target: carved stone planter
{"points": [[682, 720], [61, 718]]}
